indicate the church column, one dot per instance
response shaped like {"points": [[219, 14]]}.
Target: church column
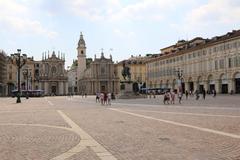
{"points": [[46, 88], [195, 85], [108, 86], [41, 85], [91, 87], [97, 85], [66, 88], [94, 88], [113, 87], [60, 88], [218, 86], [230, 85]]}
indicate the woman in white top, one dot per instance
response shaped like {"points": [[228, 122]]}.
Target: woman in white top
{"points": [[109, 98]]}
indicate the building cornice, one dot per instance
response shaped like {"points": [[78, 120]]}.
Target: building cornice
{"points": [[207, 43]]}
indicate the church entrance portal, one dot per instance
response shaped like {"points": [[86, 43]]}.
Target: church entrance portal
{"points": [[103, 88], [103, 85], [54, 90]]}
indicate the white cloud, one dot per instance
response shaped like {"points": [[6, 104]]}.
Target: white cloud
{"points": [[213, 14], [114, 10], [15, 16], [93, 10]]}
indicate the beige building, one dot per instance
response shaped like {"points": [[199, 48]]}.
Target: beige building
{"points": [[3, 73], [205, 63], [12, 74], [99, 76], [72, 79]]}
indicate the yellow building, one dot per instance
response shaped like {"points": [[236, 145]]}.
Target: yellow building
{"points": [[210, 64], [137, 67]]}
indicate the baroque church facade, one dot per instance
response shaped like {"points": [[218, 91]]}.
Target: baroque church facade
{"points": [[100, 76], [52, 75]]}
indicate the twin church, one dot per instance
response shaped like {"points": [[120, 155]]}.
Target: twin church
{"points": [[100, 76]]}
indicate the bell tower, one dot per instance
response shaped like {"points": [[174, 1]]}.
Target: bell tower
{"points": [[81, 49]]}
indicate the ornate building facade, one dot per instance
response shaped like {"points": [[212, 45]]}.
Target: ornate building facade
{"points": [[100, 76], [52, 75], [205, 63], [48, 75], [3, 73]]}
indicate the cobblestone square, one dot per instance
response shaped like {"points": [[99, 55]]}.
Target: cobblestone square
{"points": [[78, 128]]}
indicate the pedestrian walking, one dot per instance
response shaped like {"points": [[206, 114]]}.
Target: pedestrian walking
{"points": [[186, 93], [113, 96], [214, 93], [204, 93], [109, 98], [154, 94], [97, 97], [166, 98], [105, 98], [172, 94], [197, 94], [102, 98], [180, 97], [150, 94]]}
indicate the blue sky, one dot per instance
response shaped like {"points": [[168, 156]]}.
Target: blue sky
{"points": [[129, 27]]}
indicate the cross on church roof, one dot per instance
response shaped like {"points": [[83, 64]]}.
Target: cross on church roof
{"points": [[102, 56]]}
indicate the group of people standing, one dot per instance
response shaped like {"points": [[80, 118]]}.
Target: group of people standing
{"points": [[104, 98], [169, 97]]}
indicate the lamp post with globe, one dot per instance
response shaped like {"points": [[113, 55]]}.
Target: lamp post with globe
{"points": [[20, 61]]}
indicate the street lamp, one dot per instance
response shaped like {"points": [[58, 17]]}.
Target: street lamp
{"points": [[20, 61], [179, 75]]}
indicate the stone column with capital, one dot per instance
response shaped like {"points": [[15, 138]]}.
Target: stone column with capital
{"points": [[46, 88], [218, 86], [60, 88], [66, 88], [195, 86], [231, 85]]}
